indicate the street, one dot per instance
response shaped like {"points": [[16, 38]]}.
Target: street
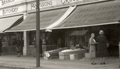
{"points": [[13, 62], [4, 68]]}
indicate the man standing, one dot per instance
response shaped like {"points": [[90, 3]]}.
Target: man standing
{"points": [[102, 46], [41, 49], [19, 46], [59, 44], [0, 46]]}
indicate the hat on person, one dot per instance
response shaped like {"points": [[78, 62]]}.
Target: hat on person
{"points": [[101, 32]]}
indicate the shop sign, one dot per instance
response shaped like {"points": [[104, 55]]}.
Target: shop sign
{"points": [[44, 4], [70, 1], [13, 10], [5, 2], [80, 1], [49, 3], [10, 10]]}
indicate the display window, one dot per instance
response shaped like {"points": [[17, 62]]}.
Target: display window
{"points": [[77, 38]]}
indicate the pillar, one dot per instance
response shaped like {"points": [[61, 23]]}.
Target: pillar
{"points": [[26, 43], [25, 38]]}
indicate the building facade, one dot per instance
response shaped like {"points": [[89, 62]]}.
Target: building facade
{"points": [[72, 21]]}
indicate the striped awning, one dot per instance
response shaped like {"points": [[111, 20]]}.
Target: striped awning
{"points": [[48, 19], [95, 14], [6, 23]]}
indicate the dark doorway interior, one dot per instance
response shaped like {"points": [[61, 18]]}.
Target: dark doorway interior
{"points": [[113, 36]]}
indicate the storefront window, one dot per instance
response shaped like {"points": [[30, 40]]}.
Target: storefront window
{"points": [[77, 38], [32, 37]]}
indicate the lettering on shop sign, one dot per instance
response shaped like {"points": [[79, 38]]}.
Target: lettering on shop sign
{"points": [[7, 1], [10, 10], [69, 1], [45, 3], [42, 4]]}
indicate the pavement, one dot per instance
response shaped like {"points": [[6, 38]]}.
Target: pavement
{"points": [[28, 62]]}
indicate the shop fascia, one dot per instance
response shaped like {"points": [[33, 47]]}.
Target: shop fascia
{"points": [[10, 2], [49, 3], [11, 10]]}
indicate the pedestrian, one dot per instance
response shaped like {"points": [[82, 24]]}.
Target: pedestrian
{"points": [[40, 47], [102, 46], [59, 43], [92, 45], [22, 45], [0, 46], [19, 47], [119, 47]]}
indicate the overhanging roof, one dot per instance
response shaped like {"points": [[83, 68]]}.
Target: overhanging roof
{"points": [[6, 23], [46, 19], [92, 15]]}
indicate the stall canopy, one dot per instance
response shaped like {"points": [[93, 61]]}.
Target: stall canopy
{"points": [[6, 23], [92, 15], [46, 18]]}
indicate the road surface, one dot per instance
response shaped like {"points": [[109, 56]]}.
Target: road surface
{"points": [[4, 68]]}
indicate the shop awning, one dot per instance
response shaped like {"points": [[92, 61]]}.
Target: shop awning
{"points": [[92, 15], [6, 23], [79, 32], [46, 18]]}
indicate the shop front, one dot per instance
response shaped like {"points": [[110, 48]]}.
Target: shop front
{"points": [[8, 38], [72, 29], [48, 18], [94, 17]]}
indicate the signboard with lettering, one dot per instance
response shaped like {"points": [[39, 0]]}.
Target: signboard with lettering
{"points": [[44, 4], [11, 10], [70, 1], [6, 2], [49, 3], [32, 5]]}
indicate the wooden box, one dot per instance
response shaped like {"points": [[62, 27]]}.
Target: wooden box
{"points": [[64, 57], [74, 56], [87, 55]]}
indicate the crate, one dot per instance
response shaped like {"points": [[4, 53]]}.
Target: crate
{"points": [[87, 55], [74, 57], [64, 57]]}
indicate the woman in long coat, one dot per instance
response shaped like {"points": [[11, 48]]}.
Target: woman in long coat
{"points": [[92, 44], [102, 46]]}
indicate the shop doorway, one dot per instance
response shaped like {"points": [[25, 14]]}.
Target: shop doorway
{"points": [[113, 36], [59, 36], [112, 32]]}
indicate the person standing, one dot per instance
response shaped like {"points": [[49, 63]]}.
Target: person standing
{"points": [[119, 50], [0, 46], [19, 47], [59, 43], [40, 48], [102, 46], [92, 45]]}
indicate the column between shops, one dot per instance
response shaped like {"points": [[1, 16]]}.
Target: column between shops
{"points": [[26, 43]]}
